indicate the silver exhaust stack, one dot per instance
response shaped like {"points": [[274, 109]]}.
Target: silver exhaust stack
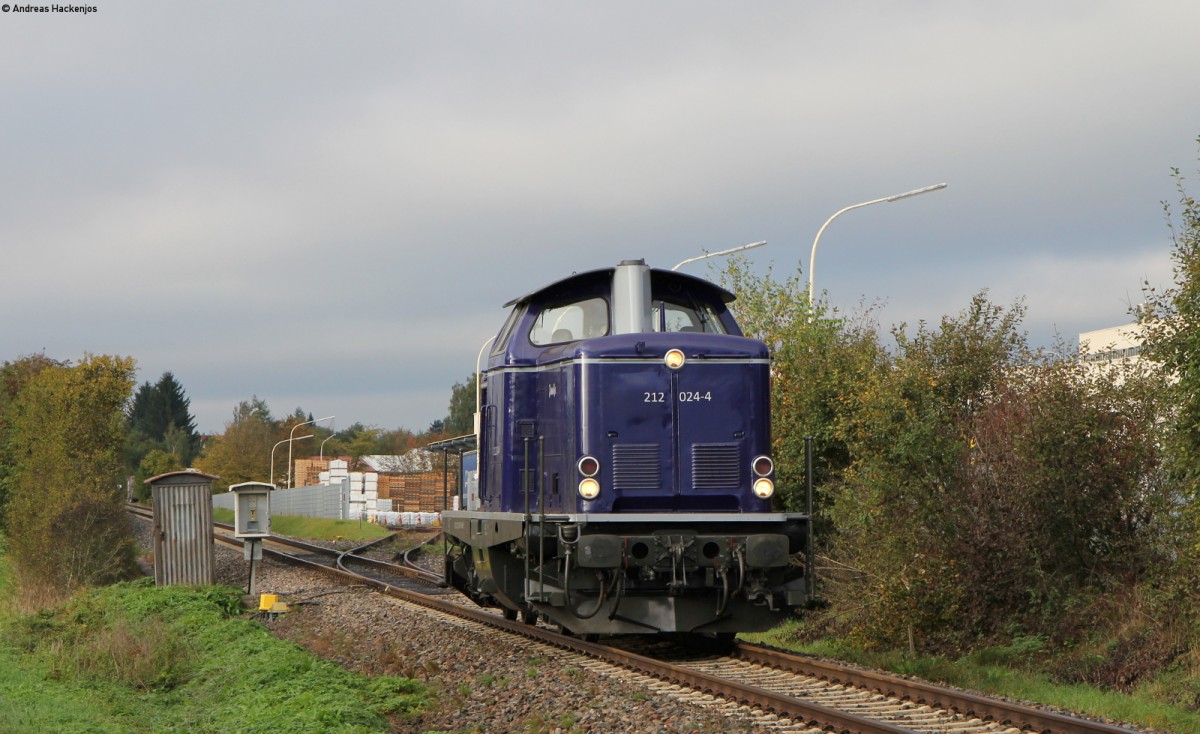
{"points": [[631, 298]]}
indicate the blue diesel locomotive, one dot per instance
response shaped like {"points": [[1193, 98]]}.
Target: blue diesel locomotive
{"points": [[625, 477]]}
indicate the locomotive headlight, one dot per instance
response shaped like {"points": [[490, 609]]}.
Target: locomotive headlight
{"points": [[763, 488], [762, 465], [588, 466], [674, 358], [589, 488]]}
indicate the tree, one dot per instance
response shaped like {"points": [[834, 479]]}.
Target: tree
{"points": [[152, 465], [992, 487], [359, 440], [1061, 496], [460, 419], [14, 376], [884, 444], [160, 418], [297, 416], [1171, 322], [817, 359], [966, 485], [401, 441], [1172, 338], [894, 514], [66, 523], [243, 452], [253, 409]]}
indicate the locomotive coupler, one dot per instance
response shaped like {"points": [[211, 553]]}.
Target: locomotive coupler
{"points": [[678, 551], [759, 594]]}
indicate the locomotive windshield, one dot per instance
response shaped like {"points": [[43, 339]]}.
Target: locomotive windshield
{"points": [[500, 343], [570, 321], [699, 317], [628, 299], [587, 318]]}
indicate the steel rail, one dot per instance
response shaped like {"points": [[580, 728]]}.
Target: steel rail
{"points": [[782, 705], [319, 550], [830, 719], [961, 702]]}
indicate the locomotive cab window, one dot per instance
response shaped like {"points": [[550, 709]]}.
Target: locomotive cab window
{"points": [[569, 322], [501, 341], [697, 317]]}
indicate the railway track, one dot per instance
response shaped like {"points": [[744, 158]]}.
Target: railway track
{"points": [[352, 562], [802, 692]]}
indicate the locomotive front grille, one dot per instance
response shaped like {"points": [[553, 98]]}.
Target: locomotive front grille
{"points": [[636, 467], [716, 465]]}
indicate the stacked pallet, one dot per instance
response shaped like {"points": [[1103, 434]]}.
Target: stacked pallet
{"points": [[412, 491], [364, 493], [339, 470], [418, 491], [309, 471], [391, 487]]}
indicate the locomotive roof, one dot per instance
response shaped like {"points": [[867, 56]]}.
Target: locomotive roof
{"points": [[576, 280]]}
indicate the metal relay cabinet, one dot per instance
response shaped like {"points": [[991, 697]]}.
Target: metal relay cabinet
{"points": [[252, 521], [252, 510], [183, 542]]}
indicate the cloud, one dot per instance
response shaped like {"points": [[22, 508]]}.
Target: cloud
{"points": [[224, 190]]}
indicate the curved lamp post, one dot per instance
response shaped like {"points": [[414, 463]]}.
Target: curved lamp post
{"points": [[331, 435], [292, 474], [812, 259], [730, 251], [288, 441]]}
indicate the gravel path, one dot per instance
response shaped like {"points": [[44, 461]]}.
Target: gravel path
{"points": [[479, 680]]}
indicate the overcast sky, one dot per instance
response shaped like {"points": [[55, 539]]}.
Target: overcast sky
{"points": [[326, 204]]}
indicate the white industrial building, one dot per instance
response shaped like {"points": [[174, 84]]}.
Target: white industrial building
{"points": [[1116, 345]]}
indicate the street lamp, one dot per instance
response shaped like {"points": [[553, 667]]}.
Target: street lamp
{"points": [[291, 474], [730, 251], [331, 435], [812, 259], [288, 441]]}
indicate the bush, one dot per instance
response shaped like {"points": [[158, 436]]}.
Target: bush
{"points": [[65, 520], [992, 486]]}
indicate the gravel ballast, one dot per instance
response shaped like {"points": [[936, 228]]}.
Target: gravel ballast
{"points": [[478, 679]]}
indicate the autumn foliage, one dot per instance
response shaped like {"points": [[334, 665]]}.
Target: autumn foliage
{"points": [[65, 519]]}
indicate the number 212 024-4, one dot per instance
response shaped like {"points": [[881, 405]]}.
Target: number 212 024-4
{"points": [[686, 396]]}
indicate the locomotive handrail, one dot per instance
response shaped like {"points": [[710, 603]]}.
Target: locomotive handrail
{"points": [[810, 570], [528, 518], [541, 520], [479, 389]]}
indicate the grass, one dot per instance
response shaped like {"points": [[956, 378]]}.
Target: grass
{"points": [[321, 528], [138, 658], [1001, 671], [315, 527]]}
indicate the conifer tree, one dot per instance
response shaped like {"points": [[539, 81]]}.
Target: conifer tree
{"points": [[160, 418]]}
